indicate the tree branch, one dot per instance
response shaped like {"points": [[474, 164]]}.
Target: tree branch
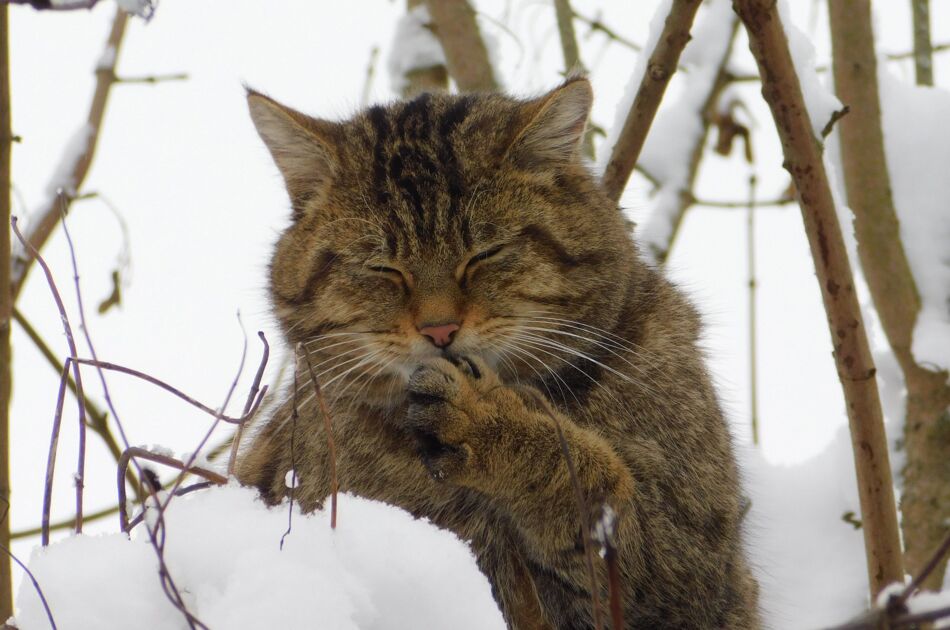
{"points": [[856, 370], [707, 114], [453, 22], [660, 67], [6, 309], [97, 418], [75, 172], [923, 49], [572, 58], [925, 504]]}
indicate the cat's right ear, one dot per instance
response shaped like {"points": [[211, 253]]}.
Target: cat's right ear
{"points": [[302, 147]]}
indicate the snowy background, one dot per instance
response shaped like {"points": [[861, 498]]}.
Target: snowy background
{"points": [[203, 205]]}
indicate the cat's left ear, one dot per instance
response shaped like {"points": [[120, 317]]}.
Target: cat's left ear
{"points": [[554, 131], [302, 147]]}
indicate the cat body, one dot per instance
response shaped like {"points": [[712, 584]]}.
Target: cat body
{"points": [[468, 296]]}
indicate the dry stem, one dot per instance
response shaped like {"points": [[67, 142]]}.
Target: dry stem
{"points": [[73, 353], [856, 371], [331, 443], [660, 67]]}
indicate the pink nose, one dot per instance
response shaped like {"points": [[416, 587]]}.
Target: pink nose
{"points": [[440, 335]]}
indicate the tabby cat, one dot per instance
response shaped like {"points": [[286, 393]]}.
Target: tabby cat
{"points": [[464, 290]]}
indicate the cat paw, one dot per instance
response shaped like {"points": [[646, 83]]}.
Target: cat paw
{"points": [[443, 414]]}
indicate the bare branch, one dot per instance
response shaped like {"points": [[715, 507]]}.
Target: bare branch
{"points": [[572, 58], [328, 427], [923, 49], [48, 215], [453, 22], [36, 586], [925, 504], [67, 328], [659, 69], [853, 359], [597, 25], [6, 307]]}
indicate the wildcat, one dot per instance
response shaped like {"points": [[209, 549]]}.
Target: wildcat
{"points": [[464, 289]]}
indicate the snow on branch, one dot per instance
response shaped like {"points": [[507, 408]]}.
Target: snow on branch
{"points": [[675, 145], [803, 159], [652, 75], [416, 55]]}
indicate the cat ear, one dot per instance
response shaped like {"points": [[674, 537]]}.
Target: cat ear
{"points": [[554, 131], [302, 147]]}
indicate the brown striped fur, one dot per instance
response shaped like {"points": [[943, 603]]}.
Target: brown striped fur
{"points": [[477, 210]]}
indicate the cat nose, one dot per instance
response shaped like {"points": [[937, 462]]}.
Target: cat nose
{"points": [[440, 334]]}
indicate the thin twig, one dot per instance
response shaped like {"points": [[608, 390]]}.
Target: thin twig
{"points": [[294, 415], [51, 457], [106, 365], [249, 403], [753, 347], [142, 453], [71, 342], [36, 585], [935, 559], [596, 24], [331, 443], [580, 499], [153, 78]]}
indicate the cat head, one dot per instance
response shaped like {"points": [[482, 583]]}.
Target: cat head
{"points": [[448, 224]]}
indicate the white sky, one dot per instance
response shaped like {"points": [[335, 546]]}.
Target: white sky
{"points": [[204, 204]]}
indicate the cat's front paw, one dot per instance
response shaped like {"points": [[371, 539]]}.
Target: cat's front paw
{"points": [[444, 414]]}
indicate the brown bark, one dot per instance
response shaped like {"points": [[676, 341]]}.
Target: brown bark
{"points": [[923, 49], [48, 216], [431, 79], [6, 315], [853, 360], [925, 504], [660, 67], [454, 24], [572, 57]]}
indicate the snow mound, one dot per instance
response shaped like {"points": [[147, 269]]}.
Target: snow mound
{"points": [[381, 569]]}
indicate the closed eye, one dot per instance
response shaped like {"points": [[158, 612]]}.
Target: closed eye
{"points": [[397, 276], [485, 255], [464, 275]]}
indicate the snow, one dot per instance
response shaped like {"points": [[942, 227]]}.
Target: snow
{"points": [[379, 570], [820, 102], [678, 128], [917, 141], [141, 8], [633, 84], [106, 59], [414, 47], [62, 179], [290, 479]]}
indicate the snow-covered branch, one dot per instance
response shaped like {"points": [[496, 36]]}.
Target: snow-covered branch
{"points": [[803, 159], [653, 76]]}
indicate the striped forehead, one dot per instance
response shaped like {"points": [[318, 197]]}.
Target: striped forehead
{"points": [[416, 173]]}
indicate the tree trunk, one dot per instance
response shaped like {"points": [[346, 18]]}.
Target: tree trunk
{"points": [[465, 53], [856, 371], [925, 503], [6, 316]]}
